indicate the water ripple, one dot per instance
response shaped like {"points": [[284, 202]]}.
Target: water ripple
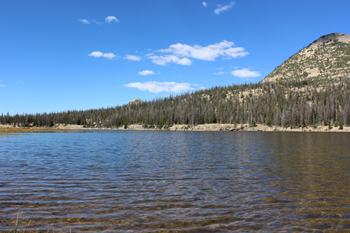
{"points": [[142, 181]]}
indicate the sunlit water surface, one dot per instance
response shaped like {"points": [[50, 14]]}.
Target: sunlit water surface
{"points": [[156, 181]]}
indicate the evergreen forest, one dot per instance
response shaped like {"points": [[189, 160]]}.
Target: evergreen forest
{"points": [[288, 103]]}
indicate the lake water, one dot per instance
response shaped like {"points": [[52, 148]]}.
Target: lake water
{"points": [[160, 181]]}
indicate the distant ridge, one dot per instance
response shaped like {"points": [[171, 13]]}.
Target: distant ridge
{"points": [[323, 60]]}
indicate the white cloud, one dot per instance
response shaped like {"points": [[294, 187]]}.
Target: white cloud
{"points": [[205, 4], [109, 55], [96, 54], [110, 19], [157, 87], [208, 53], [219, 73], [184, 61], [245, 73], [201, 88], [20, 81], [84, 21], [132, 57], [100, 54], [224, 8], [146, 72], [2, 85], [236, 52], [163, 60]]}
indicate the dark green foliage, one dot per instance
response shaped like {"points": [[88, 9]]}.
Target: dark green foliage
{"points": [[330, 125], [253, 124], [341, 125]]}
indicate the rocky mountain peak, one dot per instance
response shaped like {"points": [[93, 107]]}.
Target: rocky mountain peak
{"points": [[332, 37], [325, 59]]}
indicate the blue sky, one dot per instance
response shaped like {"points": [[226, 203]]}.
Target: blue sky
{"points": [[78, 55]]}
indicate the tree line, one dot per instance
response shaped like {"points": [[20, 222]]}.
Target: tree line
{"points": [[288, 103]]}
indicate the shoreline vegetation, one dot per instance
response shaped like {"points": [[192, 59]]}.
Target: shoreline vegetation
{"points": [[293, 105], [71, 128]]}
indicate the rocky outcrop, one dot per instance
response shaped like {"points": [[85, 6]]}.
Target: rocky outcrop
{"points": [[324, 60], [136, 101]]}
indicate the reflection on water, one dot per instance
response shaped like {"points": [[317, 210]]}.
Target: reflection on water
{"points": [[136, 181]]}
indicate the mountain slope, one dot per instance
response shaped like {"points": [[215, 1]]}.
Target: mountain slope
{"points": [[323, 60], [296, 100]]}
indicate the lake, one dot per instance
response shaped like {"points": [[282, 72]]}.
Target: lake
{"points": [[161, 181]]}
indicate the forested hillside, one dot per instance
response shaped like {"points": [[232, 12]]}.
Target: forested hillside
{"points": [[290, 104], [309, 89]]}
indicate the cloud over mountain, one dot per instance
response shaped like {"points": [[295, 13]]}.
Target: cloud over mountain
{"points": [[180, 53], [245, 73]]}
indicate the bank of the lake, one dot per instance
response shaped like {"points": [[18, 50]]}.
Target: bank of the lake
{"points": [[179, 127]]}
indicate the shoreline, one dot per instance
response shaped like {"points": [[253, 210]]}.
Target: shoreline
{"points": [[204, 127]]}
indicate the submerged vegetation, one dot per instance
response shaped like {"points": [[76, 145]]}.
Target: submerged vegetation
{"points": [[288, 103], [28, 226]]}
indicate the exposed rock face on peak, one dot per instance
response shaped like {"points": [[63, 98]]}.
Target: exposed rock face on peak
{"points": [[333, 37], [136, 101], [323, 60]]}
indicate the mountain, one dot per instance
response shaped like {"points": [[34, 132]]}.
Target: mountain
{"points": [[323, 61], [313, 90]]}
